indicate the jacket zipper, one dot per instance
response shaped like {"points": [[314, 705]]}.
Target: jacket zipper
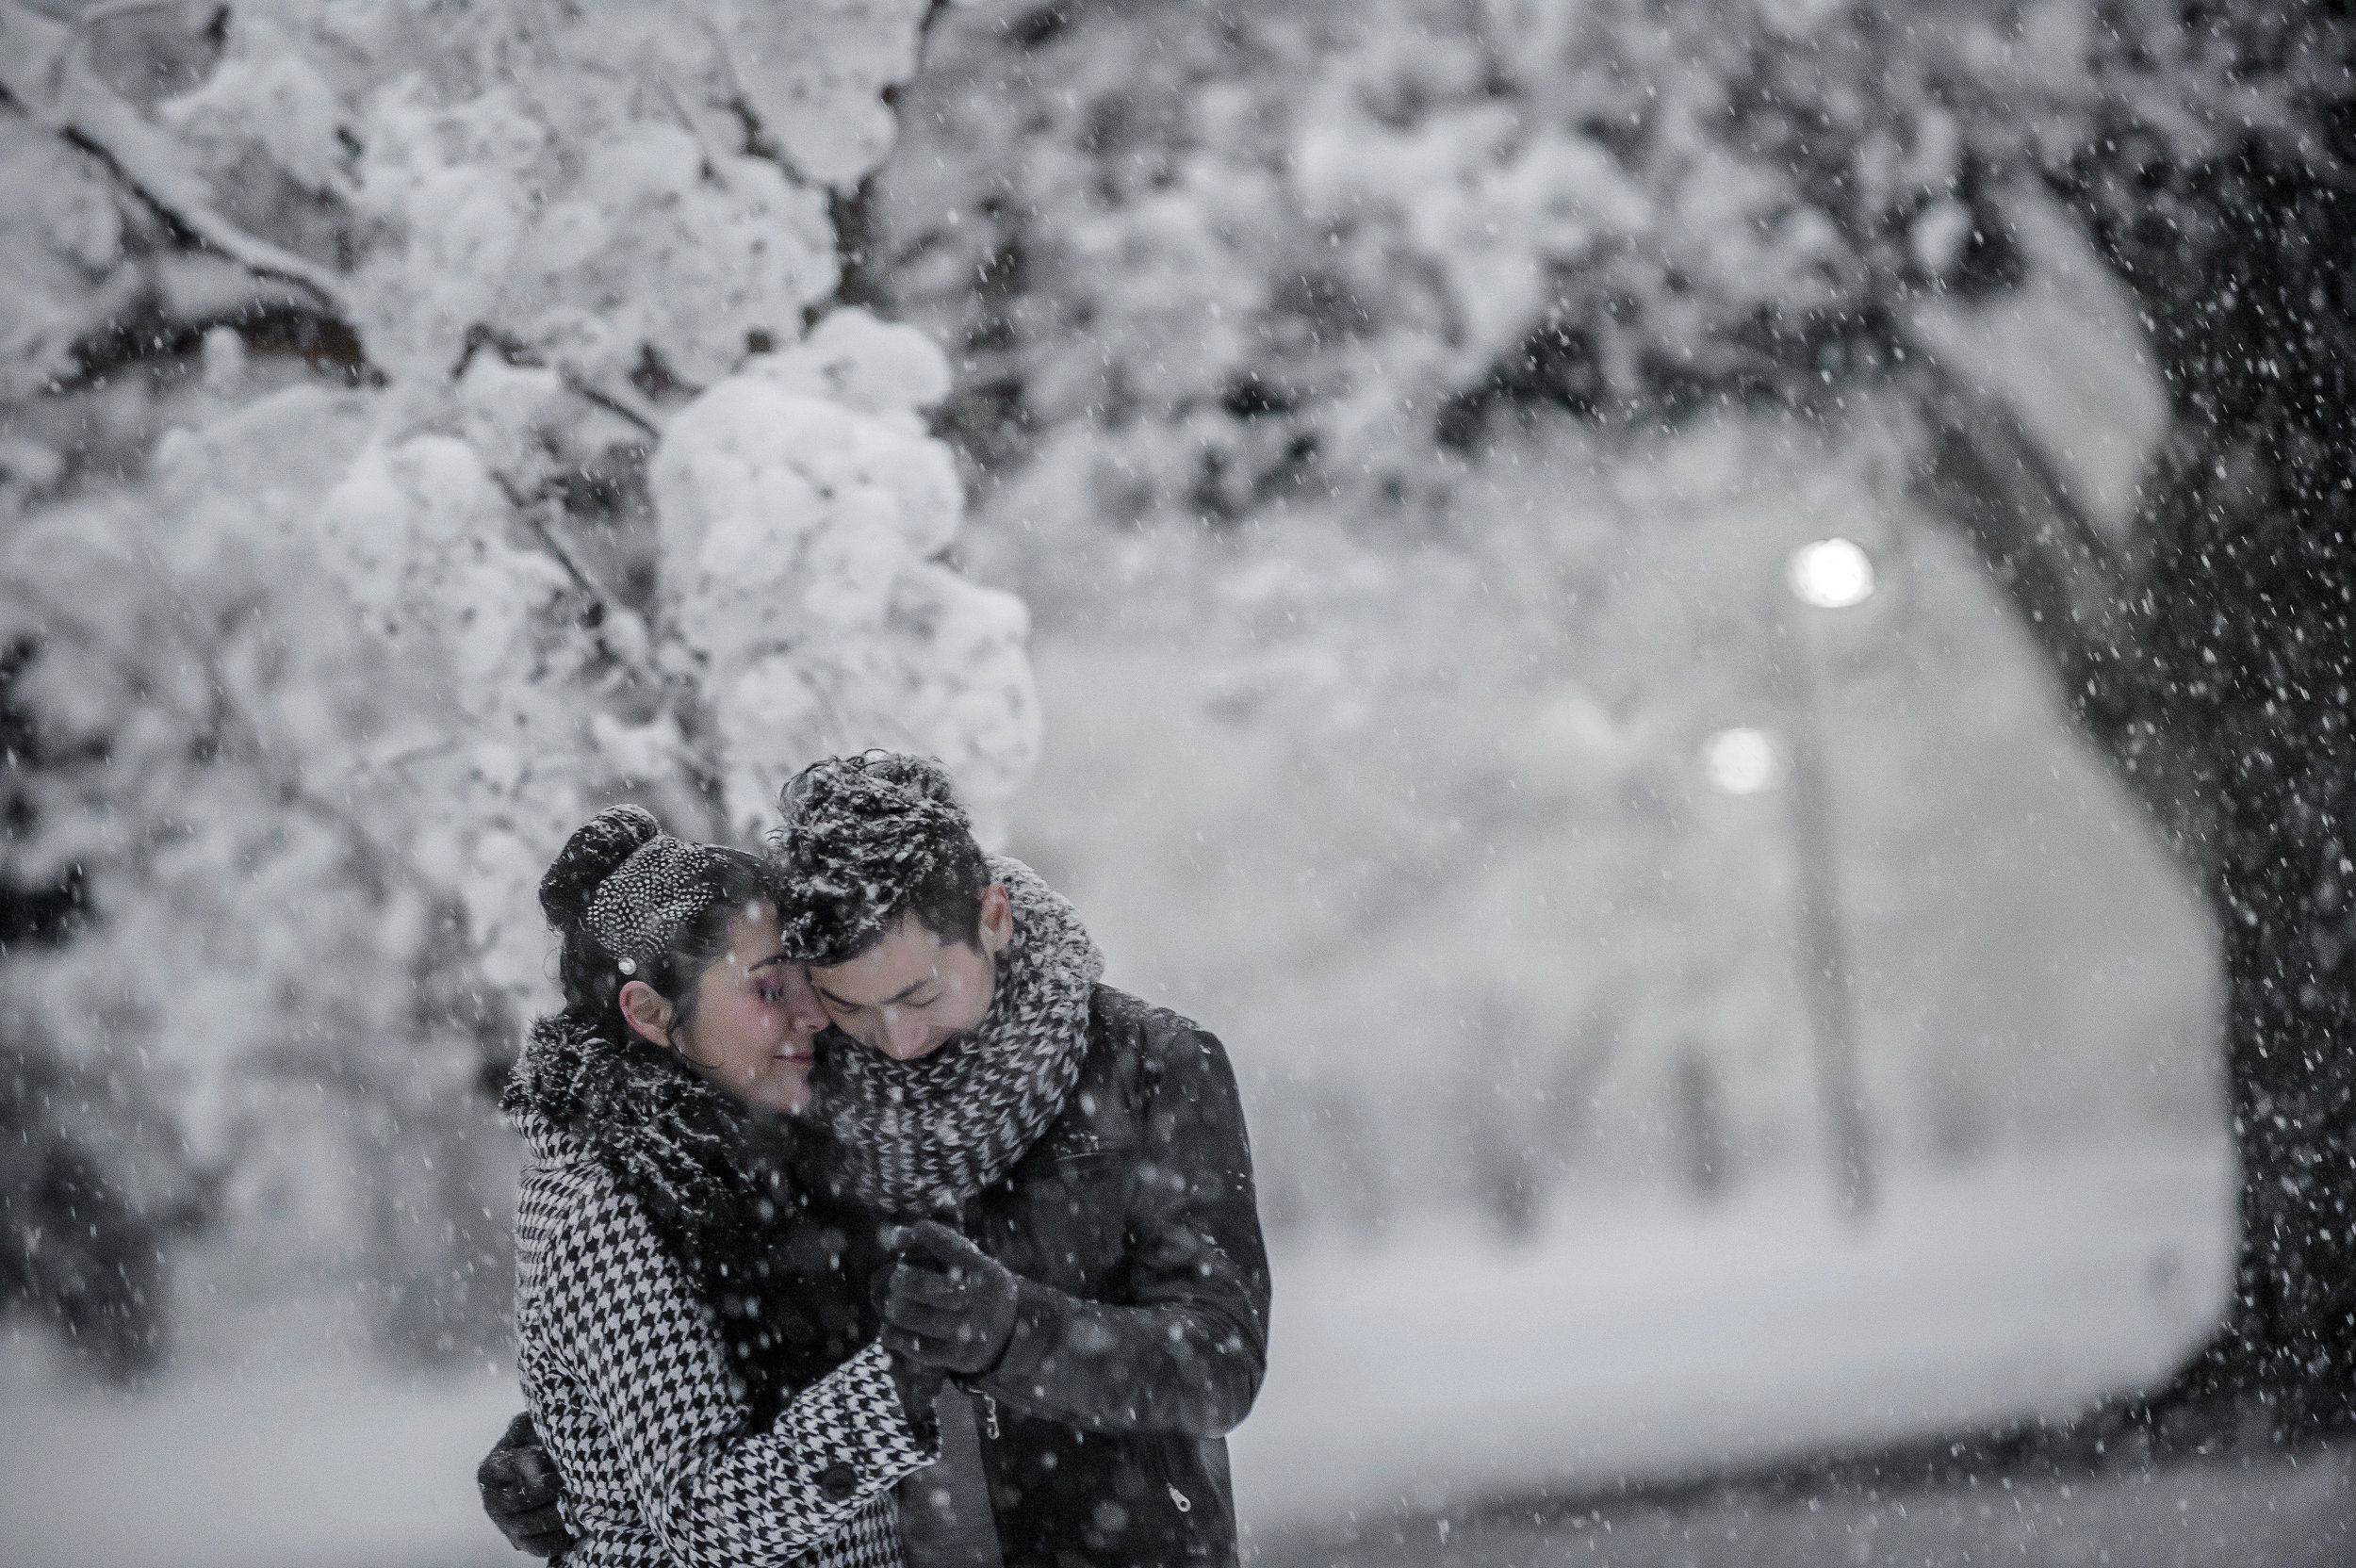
{"points": [[990, 1416], [1179, 1500]]}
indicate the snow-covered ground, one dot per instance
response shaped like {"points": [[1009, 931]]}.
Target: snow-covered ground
{"points": [[2242, 1510], [321, 1466], [1644, 1339], [1664, 1342]]}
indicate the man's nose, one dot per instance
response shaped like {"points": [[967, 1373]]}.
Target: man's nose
{"points": [[903, 1037]]}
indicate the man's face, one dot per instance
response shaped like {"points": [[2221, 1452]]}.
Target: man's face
{"points": [[912, 992]]}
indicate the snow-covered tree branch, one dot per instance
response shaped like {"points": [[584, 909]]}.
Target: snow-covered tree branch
{"points": [[619, 505]]}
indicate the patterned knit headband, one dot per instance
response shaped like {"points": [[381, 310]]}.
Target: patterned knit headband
{"points": [[645, 903]]}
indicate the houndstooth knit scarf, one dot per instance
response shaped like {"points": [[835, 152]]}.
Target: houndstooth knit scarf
{"points": [[925, 1136]]}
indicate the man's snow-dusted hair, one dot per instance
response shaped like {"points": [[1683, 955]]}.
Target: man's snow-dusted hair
{"points": [[866, 840]]}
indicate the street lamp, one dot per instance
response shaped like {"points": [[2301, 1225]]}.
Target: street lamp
{"points": [[1828, 575], [1831, 574], [1741, 761]]}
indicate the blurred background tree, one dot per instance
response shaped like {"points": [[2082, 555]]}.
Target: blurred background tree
{"points": [[1222, 267]]}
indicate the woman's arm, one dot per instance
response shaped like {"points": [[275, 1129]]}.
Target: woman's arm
{"points": [[619, 1311]]}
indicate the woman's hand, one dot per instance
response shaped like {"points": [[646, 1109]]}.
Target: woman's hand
{"points": [[520, 1488]]}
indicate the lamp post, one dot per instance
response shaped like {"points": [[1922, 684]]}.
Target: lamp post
{"points": [[1828, 575]]}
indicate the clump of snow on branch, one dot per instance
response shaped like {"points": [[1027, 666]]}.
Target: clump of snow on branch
{"points": [[810, 502]]}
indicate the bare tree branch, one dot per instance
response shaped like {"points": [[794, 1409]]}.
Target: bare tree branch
{"points": [[1986, 476]]}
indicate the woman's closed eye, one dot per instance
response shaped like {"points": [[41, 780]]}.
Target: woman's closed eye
{"points": [[771, 981]]}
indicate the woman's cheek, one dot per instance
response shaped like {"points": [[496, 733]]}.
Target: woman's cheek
{"points": [[753, 1027], [783, 1085]]}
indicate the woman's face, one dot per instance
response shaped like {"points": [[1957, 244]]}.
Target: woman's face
{"points": [[756, 1019]]}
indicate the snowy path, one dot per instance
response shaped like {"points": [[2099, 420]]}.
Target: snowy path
{"points": [[1657, 1341], [2270, 1511], [1663, 1342], [322, 1470]]}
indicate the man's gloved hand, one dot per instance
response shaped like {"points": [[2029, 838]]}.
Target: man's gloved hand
{"points": [[520, 1486], [944, 1301]]}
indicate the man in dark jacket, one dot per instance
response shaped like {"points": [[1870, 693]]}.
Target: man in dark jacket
{"points": [[1042, 1185]]}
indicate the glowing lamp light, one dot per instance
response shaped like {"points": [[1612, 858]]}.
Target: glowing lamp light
{"points": [[1832, 573], [1741, 760]]}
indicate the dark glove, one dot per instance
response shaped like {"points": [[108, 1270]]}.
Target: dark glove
{"points": [[520, 1486], [945, 1302]]}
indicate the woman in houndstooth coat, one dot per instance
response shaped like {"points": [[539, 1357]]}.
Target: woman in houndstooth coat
{"points": [[662, 1360]]}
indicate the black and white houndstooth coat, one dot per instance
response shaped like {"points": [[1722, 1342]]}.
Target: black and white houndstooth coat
{"points": [[664, 1457]]}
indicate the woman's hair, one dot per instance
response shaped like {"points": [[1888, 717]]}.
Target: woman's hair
{"points": [[683, 914]]}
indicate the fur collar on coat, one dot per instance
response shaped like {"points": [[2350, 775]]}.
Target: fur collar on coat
{"points": [[710, 1174]]}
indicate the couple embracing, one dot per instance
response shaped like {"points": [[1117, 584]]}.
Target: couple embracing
{"points": [[863, 1225]]}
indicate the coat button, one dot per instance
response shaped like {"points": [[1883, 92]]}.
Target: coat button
{"points": [[837, 1480]]}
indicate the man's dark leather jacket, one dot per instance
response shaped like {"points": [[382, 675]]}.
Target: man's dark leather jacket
{"points": [[1142, 1320]]}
